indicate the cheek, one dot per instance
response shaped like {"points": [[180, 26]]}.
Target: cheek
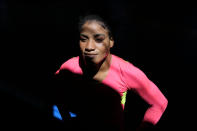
{"points": [[81, 46], [104, 48]]}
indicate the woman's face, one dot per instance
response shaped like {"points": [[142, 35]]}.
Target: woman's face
{"points": [[94, 42]]}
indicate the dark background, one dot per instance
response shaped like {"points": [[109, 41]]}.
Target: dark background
{"points": [[37, 36]]}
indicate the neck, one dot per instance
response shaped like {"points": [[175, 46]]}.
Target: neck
{"points": [[93, 69], [105, 65]]}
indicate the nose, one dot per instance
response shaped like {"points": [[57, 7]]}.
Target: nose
{"points": [[90, 46]]}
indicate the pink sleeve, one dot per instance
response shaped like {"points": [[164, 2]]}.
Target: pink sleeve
{"points": [[68, 65], [138, 81]]}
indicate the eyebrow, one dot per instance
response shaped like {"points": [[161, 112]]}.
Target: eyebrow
{"points": [[97, 35], [84, 35]]}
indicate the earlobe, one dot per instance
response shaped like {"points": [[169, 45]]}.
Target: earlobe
{"points": [[111, 43]]}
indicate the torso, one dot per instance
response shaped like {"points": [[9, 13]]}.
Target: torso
{"points": [[112, 77]]}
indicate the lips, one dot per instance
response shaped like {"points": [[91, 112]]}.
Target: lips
{"points": [[90, 55]]}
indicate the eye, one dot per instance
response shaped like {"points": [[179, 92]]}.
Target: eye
{"points": [[99, 40], [83, 39], [99, 37]]}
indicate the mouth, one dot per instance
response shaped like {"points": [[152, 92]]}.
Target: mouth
{"points": [[91, 55]]}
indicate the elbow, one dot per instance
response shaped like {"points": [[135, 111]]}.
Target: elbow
{"points": [[164, 105], [155, 112]]}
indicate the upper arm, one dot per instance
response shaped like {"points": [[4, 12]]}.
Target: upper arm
{"points": [[147, 90], [152, 95]]}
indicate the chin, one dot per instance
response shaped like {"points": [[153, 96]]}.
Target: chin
{"points": [[98, 61], [93, 61]]}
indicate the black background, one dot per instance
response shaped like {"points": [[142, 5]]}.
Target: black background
{"points": [[37, 36]]}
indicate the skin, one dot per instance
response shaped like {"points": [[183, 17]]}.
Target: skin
{"points": [[95, 45], [94, 39]]}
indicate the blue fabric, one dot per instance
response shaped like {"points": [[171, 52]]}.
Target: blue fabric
{"points": [[72, 114], [57, 114]]}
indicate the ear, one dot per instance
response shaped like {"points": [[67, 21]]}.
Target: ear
{"points": [[111, 43]]}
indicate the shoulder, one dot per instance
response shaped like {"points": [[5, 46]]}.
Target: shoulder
{"points": [[131, 74], [71, 64], [123, 64]]}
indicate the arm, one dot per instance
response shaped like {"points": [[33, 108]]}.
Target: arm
{"points": [[157, 101], [147, 90]]}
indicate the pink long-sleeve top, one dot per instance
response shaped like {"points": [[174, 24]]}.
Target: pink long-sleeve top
{"points": [[123, 76]]}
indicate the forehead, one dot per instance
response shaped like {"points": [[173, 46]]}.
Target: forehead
{"points": [[93, 27]]}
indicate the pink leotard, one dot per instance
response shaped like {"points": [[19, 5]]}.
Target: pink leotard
{"points": [[123, 76]]}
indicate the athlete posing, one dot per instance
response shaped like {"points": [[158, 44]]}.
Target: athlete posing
{"points": [[96, 63]]}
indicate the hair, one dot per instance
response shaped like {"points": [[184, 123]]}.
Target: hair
{"points": [[97, 18]]}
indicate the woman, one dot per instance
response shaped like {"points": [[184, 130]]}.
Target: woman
{"points": [[97, 63]]}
